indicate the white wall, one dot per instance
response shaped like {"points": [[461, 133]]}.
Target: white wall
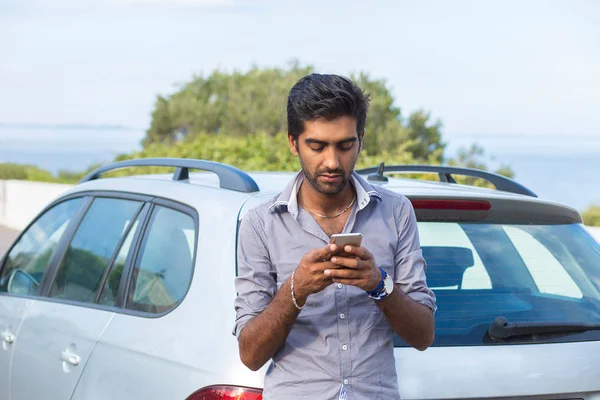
{"points": [[21, 201]]}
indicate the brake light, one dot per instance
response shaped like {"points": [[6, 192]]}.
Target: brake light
{"points": [[446, 204], [224, 392]]}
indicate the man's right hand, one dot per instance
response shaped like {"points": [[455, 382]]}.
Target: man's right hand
{"points": [[310, 277]]}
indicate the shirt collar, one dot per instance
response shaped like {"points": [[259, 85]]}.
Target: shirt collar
{"points": [[288, 198]]}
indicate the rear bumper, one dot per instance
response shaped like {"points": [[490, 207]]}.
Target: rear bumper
{"points": [[542, 371]]}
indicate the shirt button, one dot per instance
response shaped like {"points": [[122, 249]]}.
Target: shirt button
{"points": [[342, 316], [346, 381], [344, 347], [340, 286]]}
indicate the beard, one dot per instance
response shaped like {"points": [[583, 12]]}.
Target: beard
{"points": [[326, 188]]}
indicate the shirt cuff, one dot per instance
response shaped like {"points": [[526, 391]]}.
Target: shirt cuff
{"points": [[424, 299], [239, 325]]}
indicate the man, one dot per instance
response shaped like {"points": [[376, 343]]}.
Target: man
{"points": [[326, 316]]}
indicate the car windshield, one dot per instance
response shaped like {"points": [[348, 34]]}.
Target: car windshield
{"points": [[525, 273]]}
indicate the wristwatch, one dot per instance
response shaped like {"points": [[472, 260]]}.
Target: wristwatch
{"points": [[384, 289]]}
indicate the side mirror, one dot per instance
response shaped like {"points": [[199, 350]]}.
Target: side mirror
{"points": [[22, 283]]}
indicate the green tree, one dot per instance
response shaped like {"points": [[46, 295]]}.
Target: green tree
{"points": [[161, 127], [233, 103], [426, 136], [243, 103], [475, 157], [384, 129]]}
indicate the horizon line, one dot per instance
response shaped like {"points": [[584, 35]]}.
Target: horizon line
{"points": [[69, 126]]}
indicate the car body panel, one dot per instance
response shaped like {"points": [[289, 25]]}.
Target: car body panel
{"points": [[49, 329], [497, 371], [12, 311]]}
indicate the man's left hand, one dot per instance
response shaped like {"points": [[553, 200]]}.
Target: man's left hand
{"points": [[356, 269]]}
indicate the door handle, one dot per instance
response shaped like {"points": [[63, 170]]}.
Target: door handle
{"points": [[69, 357], [8, 337]]}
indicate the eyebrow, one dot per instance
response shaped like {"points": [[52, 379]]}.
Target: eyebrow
{"points": [[321, 142]]}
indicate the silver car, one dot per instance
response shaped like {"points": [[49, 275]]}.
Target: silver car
{"points": [[123, 289]]}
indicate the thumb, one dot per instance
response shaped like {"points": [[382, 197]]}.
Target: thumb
{"points": [[324, 253]]}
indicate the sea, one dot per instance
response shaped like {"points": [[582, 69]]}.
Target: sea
{"points": [[560, 168]]}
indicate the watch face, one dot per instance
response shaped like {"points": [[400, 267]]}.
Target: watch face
{"points": [[388, 284]]}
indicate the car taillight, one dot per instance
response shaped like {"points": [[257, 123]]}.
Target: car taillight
{"points": [[223, 392], [446, 204]]}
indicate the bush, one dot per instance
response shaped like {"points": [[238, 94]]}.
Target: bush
{"points": [[591, 216], [252, 152], [12, 171], [24, 172], [263, 152]]}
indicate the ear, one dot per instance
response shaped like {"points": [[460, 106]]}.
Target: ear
{"points": [[293, 145], [361, 140]]}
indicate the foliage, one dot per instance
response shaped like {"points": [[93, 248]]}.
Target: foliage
{"points": [[234, 104], [65, 176], [262, 152], [591, 216], [239, 104], [474, 157], [24, 172]]}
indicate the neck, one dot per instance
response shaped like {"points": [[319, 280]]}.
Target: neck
{"points": [[323, 203]]}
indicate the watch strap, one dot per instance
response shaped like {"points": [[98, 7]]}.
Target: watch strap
{"points": [[379, 287], [379, 292]]}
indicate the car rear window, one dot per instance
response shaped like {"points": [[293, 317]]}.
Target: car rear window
{"points": [[525, 273]]}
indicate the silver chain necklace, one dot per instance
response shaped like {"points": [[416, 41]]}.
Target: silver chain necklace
{"points": [[326, 216]]}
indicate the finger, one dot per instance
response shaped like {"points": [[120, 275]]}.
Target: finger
{"points": [[324, 254], [347, 262], [360, 252], [343, 273]]}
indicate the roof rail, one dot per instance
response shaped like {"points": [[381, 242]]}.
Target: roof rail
{"points": [[445, 173], [229, 177]]}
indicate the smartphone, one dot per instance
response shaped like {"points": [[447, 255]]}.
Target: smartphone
{"points": [[342, 239]]}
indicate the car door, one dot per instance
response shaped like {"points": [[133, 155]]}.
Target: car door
{"points": [[148, 350], [60, 330], [22, 270]]}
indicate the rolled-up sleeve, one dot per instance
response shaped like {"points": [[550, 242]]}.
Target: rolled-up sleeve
{"points": [[410, 266], [256, 282]]}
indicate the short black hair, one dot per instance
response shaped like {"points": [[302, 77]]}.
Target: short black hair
{"points": [[325, 96]]}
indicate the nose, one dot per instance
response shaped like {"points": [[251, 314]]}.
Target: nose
{"points": [[332, 160]]}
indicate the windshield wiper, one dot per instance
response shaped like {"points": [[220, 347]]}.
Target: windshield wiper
{"points": [[501, 329]]}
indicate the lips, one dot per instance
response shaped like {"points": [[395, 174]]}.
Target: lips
{"points": [[331, 178]]}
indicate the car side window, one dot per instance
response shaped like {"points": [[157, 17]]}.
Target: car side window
{"points": [[163, 269], [26, 262], [110, 291], [81, 271]]}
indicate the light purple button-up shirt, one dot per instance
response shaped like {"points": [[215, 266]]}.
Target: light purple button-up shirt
{"points": [[341, 339]]}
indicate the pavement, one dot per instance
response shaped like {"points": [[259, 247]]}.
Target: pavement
{"points": [[7, 236]]}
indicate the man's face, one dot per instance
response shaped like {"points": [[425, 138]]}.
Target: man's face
{"points": [[327, 150]]}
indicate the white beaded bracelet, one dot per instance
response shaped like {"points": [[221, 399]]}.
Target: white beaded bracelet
{"points": [[293, 296]]}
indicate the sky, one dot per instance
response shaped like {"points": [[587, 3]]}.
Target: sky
{"points": [[481, 67]]}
